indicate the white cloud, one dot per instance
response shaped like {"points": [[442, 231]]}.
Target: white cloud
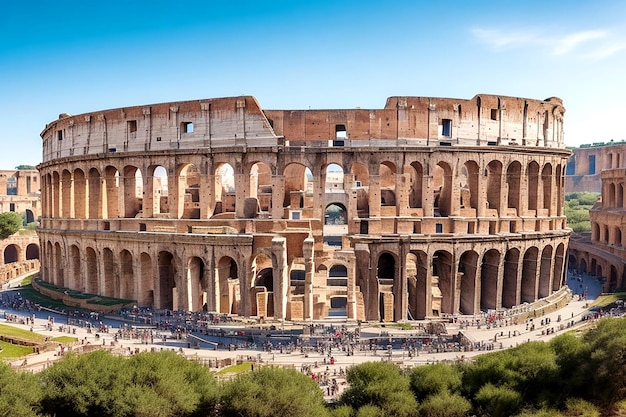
{"points": [[587, 45]]}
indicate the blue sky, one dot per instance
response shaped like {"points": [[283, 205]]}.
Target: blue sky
{"points": [[82, 56]]}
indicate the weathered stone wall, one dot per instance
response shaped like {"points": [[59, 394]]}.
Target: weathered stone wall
{"points": [[449, 206]]}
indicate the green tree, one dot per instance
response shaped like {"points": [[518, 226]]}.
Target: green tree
{"points": [[20, 393], [10, 222], [380, 384], [434, 379], [498, 401], [445, 404], [99, 384], [272, 392]]}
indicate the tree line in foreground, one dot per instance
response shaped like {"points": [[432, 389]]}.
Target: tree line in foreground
{"points": [[568, 376]]}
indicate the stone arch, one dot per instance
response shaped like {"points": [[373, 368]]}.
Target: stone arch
{"points": [[467, 268], [443, 277], [127, 276], [617, 238], [546, 185], [442, 189], [95, 196], [195, 280], [613, 279], [111, 279], [529, 275], [489, 274], [59, 270], [112, 192], [545, 272], [262, 294], [297, 180], [361, 181], [132, 184], [32, 251], [228, 281], [416, 272], [513, 181], [29, 216], [80, 194], [58, 198], [146, 280], [261, 185], [494, 185], [387, 172], [416, 175], [188, 192], [91, 271], [559, 268], [166, 280], [338, 278], [385, 275], [335, 214], [224, 189], [595, 234], [532, 178], [620, 195], [11, 253], [611, 196], [509, 282], [469, 185], [75, 270]]}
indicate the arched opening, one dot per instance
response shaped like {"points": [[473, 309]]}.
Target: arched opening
{"points": [[195, 280], [95, 197], [111, 280], [91, 271], [513, 180], [468, 265], [261, 186], [509, 283], [76, 276], [160, 191], [494, 185], [112, 181], [30, 217], [611, 196], [80, 195], [361, 186], [59, 263], [337, 284], [262, 293], [560, 274], [166, 281], [127, 276], [146, 286], [298, 187], [416, 271], [387, 172], [335, 214], [416, 175], [546, 184], [532, 177], [224, 189], [442, 282], [617, 240], [442, 189], [337, 276], [385, 274], [32, 251], [189, 192], [11, 254], [613, 279], [529, 275], [489, 273], [229, 285], [468, 178], [133, 192]]}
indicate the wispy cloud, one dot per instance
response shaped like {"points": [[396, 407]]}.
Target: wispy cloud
{"points": [[587, 44]]}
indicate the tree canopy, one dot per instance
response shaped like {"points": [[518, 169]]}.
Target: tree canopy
{"points": [[10, 223]]}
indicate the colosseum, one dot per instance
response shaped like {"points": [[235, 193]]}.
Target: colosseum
{"points": [[426, 208]]}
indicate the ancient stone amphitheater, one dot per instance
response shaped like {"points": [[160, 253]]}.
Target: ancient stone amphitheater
{"points": [[426, 208]]}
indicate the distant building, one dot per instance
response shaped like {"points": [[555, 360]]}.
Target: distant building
{"points": [[584, 168]]}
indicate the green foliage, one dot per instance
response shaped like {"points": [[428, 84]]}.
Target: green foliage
{"points": [[576, 407], [582, 198], [20, 393], [380, 384], [544, 412], [577, 206], [434, 379], [341, 411], [272, 392], [22, 167], [445, 404], [10, 223], [498, 401], [148, 384]]}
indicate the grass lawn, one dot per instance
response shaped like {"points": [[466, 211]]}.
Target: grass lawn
{"points": [[236, 369], [8, 330], [605, 300], [13, 351]]}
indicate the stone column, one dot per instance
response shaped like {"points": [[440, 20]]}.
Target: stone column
{"points": [[374, 196], [309, 268], [278, 196]]}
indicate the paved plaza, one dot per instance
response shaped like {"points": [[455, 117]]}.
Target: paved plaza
{"points": [[328, 363]]}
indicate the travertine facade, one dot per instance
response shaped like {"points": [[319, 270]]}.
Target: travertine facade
{"points": [[585, 166], [604, 252], [425, 208]]}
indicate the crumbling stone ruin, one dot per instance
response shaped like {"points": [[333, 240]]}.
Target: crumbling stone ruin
{"points": [[426, 208]]}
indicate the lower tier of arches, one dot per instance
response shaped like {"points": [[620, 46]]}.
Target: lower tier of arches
{"points": [[294, 277]]}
